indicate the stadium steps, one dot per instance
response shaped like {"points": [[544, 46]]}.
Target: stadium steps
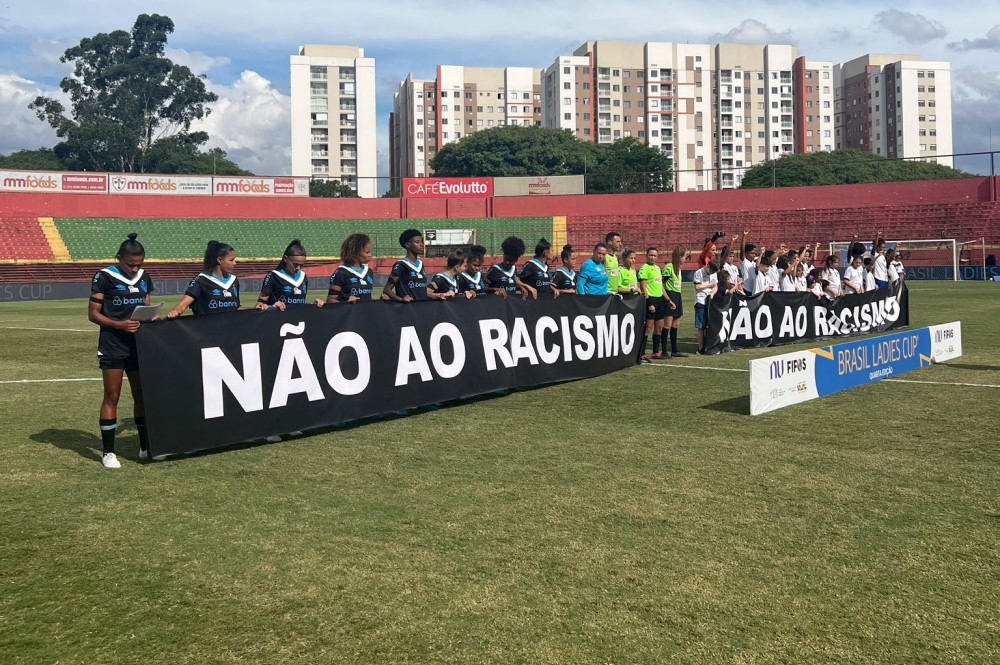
{"points": [[22, 239]]}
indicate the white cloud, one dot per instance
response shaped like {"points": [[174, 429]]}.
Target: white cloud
{"points": [[990, 43], [19, 127], [913, 28], [196, 61], [251, 122], [751, 31]]}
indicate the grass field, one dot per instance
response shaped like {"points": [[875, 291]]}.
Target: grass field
{"points": [[642, 517]]}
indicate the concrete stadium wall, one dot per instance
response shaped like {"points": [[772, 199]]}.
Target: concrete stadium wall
{"points": [[967, 190]]}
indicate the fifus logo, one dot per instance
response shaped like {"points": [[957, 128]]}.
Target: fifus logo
{"points": [[780, 368], [942, 335]]}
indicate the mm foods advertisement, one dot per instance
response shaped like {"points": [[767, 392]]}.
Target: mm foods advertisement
{"points": [[791, 378]]}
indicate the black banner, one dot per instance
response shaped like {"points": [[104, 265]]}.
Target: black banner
{"points": [[774, 318], [209, 381]]}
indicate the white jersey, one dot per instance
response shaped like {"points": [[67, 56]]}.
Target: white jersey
{"points": [[898, 265], [788, 283], [879, 268], [891, 272], [832, 275], [701, 276], [854, 276], [734, 273], [870, 284], [801, 284], [771, 279], [748, 271]]}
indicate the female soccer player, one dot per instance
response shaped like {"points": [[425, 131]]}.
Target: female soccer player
{"points": [[535, 273], [470, 280], [502, 278], [287, 284], [352, 281], [216, 289], [407, 281], [114, 294], [444, 285], [675, 304], [564, 279]]}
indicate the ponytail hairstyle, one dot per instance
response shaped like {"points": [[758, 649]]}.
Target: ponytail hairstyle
{"points": [[626, 252], [456, 258], [513, 248], [352, 247], [829, 261], [782, 263], [215, 251], [542, 247], [131, 247], [567, 253], [294, 248], [677, 256]]}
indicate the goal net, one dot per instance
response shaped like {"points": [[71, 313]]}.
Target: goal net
{"points": [[931, 259]]}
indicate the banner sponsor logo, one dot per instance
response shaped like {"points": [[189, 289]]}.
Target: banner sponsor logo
{"points": [[447, 188], [14, 181], [85, 182], [248, 186], [225, 381], [782, 318], [791, 378], [539, 186], [160, 184]]}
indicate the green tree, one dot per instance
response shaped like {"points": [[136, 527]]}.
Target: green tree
{"points": [[841, 167], [180, 154], [126, 96], [393, 193], [514, 151], [630, 166], [331, 189], [43, 159]]}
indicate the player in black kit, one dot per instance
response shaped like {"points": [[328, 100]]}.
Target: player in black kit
{"points": [[216, 288], [114, 293], [501, 278], [536, 273], [408, 281], [446, 284], [287, 284], [564, 279], [352, 281], [471, 279]]}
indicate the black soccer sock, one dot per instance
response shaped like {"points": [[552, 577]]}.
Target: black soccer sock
{"points": [[663, 342], [108, 428], [673, 340], [140, 426], [656, 342], [642, 347]]}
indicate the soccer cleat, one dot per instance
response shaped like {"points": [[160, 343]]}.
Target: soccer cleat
{"points": [[645, 361], [656, 356], [678, 355], [110, 461]]}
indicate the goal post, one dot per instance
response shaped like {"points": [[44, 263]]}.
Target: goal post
{"points": [[924, 253]]}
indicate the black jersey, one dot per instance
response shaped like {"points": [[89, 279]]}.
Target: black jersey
{"points": [[564, 279], [289, 289], [536, 274], [498, 277], [214, 294], [474, 283], [443, 283], [351, 281], [410, 279], [122, 294]]}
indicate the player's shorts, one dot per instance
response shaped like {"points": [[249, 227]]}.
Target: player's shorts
{"points": [[678, 310], [700, 316], [659, 306], [117, 350]]}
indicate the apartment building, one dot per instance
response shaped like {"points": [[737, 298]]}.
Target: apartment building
{"points": [[333, 116], [814, 105], [895, 105], [429, 114]]}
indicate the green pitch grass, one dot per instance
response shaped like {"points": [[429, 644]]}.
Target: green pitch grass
{"points": [[642, 517]]}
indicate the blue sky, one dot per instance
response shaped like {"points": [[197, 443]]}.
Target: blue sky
{"points": [[243, 49]]}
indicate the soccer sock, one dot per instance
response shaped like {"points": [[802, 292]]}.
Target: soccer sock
{"points": [[663, 340], [108, 427], [673, 340], [656, 342], [642, 347], [140, 426]]}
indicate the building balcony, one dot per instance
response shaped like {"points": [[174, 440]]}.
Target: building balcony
{"points": [[320, 153], [320, 138], [348, 154]]}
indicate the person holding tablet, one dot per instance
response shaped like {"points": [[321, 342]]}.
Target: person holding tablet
{"points": [[114, 293]]}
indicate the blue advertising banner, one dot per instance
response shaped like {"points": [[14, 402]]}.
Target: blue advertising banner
{"points": [[800, 376]]}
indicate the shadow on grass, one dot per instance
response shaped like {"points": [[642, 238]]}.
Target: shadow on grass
{"points": [[88, 444], [738, 405]]}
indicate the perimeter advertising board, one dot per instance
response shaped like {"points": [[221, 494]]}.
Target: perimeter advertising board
{"points": [[792, 378], [189, 185], [447, 188], [47, 182], [556, 185], [252, 186]]}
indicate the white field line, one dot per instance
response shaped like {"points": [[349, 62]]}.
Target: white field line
{"points": [[714, 369], [96, 378], [48, 329]]}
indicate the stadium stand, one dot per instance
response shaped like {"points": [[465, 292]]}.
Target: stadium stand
{"points": [[22, 239]]}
